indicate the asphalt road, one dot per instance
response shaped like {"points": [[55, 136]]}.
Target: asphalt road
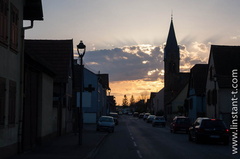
{"points": [[135, 139]]}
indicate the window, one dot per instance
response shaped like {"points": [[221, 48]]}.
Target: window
{"points": [[14, 28], [2, 100], [12, 102], [4, 21]]}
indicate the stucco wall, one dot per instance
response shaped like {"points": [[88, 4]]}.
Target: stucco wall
{"points": [[46, 105], [10, 69]]}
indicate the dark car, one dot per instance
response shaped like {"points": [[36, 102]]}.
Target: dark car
{"points": [[146, 116], [150, 118], [141, 115], [106, 123], [115, 117], [135, 114], [205, 129], [159, 121], [180, 123]]}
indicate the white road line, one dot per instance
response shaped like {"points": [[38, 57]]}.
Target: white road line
{"points": [[139, 154], [132, 138], [134, 143]]}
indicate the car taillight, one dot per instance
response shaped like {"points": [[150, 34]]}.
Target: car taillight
{"points": [[227, 130]]}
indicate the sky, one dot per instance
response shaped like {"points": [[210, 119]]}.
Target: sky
{"points": [[126, 38]]}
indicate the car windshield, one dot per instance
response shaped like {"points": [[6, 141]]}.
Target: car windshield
{"points": [[105, 119], [213, 124]]}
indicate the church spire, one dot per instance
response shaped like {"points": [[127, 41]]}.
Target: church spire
{"points": [[171, 40], [171, 51]]}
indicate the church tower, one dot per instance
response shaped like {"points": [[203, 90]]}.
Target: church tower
{"points": [[171, 67], [171, 52]]}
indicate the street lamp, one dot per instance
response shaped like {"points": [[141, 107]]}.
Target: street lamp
{"points": [[81, 49]]}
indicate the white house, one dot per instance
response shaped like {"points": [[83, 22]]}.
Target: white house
{"points": [[222, 87], [12, 14], [94, 94]]}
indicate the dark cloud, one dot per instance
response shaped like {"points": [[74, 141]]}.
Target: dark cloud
{"points": [[136, 62], [127, 63]]}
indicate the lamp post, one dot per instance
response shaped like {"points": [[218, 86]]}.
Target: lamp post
{"points": [[81, 49]]}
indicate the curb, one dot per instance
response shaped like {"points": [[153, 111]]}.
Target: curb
{"points": [[94, 151]]}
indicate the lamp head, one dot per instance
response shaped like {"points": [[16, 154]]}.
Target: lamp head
{"points": [[81, 48]]}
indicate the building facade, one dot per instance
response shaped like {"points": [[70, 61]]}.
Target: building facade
{"points": [[12, 14], [196, 97], [222, 82]]}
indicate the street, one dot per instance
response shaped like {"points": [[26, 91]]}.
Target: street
{"points": [[135, 139]]}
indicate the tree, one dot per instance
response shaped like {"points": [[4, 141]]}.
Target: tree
{"points": [[125, 101], [132, 101]]}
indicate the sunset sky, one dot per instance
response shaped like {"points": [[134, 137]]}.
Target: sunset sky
{"points": [[125, 38]]}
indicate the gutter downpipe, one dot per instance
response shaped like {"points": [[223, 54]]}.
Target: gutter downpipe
{"points": [[20, 126]]}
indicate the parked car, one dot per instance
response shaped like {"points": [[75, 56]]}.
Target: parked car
{"points": [[106, 123], [146, 116], [135, 114], [180, 123], [150, 118], [115, 117], [140, 115], [205, 129], [159, 121]]}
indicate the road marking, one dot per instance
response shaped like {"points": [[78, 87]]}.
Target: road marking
{"points": [[134, 143], [132, 138], [139, 154]]}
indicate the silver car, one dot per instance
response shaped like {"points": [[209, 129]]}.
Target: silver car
{"points": [[106, 123], [159, 120]]}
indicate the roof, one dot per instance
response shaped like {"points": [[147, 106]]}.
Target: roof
{"points": [[171, 45], [179, 84], [153, 94], [226, 59], [198, 78], [104, 80], [58, 53], [33, 10], [34, 61]]}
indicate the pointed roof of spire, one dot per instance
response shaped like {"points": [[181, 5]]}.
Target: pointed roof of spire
{"points": [[171, 40]]}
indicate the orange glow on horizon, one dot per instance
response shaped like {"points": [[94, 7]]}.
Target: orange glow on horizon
{"points": [[137, 88]]}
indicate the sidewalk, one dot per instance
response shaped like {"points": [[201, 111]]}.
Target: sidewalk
{"points": [[66, 147]]}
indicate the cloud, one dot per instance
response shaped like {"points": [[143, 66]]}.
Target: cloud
{"points": [[127, 63], [195, 53], [143, 61], [140, 68]]}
